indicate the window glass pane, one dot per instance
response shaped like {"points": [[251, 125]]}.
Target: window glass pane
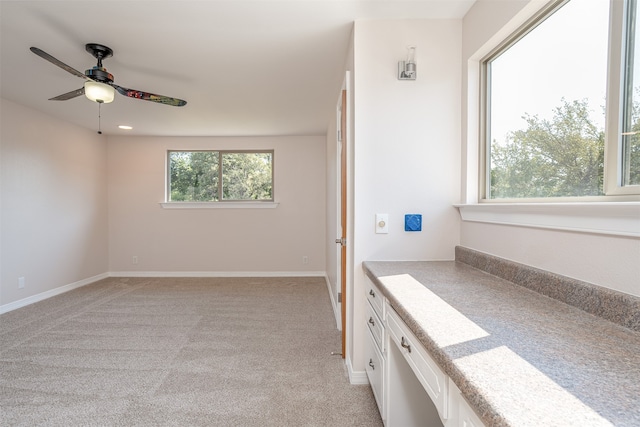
{"points": [[631, 106], [247, 176], [193, 176], [545, 107]]}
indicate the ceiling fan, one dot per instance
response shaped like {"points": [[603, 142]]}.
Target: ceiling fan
{"points": [[99, 85]]}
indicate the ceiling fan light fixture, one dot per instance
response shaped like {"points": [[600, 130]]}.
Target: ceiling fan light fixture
{"points": [[99, 92]]}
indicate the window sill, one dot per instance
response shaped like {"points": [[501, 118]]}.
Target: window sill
{"points": [[219, 205], [620, 218]]}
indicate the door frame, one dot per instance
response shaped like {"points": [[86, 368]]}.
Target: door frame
{"points": [[342, 211], [343, 218]]}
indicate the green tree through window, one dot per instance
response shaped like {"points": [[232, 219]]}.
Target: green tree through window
{"points": [[631, 110], [631, 160], [193, 176], [560, 157], [246, 176]]}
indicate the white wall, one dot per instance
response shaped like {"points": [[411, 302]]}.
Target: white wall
{"points": [[54, 203], [216, 240], [406, 147], [609, 261], [332, 205], [605, 260]]}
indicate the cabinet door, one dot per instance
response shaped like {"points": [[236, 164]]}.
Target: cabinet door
{"points": [[408, 404], [461, 413], [427, 371], [468, 418], [375, 371]]}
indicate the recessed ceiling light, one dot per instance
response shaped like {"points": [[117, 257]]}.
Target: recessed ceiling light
{"points": [[125, 127]]}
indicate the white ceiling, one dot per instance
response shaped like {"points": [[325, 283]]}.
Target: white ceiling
{"points": [[245, 67]]}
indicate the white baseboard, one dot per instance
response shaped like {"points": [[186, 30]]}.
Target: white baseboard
{"points": [[356, 377], [217, 274], [51, 293]]}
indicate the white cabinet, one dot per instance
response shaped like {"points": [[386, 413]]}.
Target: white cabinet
{"points": [[432, 378], [418, 388], [461, 413], [375, 370], [374, 345], [409, 386]]}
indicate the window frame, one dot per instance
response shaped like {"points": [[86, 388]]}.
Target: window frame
{"points": [[613, 169], [168, 203], [617, 81]]}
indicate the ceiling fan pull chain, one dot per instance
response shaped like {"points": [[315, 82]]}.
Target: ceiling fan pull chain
{"points": [[99, 128]]}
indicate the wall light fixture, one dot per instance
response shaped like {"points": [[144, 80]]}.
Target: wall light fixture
{"points": [[407, 70]]}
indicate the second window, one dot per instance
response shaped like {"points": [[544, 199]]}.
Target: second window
{"points": [[214, 176]]}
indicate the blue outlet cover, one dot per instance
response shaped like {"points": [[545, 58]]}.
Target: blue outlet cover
{"points": [[413, 222]]}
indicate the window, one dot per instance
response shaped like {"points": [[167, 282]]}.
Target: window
{"points": [[218, 176], [545, 107]]}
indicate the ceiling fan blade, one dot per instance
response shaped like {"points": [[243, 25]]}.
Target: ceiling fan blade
{"points": [[146, 96], [42, 54], [68, 95]]}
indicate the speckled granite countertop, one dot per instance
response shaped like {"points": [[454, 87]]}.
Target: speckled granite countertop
{"points": [[518, 357]]}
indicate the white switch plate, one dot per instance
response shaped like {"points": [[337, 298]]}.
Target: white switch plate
{"points": [[382, 223]]}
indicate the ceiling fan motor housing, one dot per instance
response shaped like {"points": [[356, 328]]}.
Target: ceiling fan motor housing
{"points": [[99, 74]]}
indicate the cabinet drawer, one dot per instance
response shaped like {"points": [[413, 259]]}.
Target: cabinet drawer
{"points": [[375, 297], [375, 327], [432, 378], [374, 368]]}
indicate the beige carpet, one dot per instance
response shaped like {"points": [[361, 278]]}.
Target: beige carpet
{"points": [[179, 352]]}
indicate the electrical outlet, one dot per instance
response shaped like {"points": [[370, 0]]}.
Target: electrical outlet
{"points": [[134, 260], [20, 282], [305, 259]]}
